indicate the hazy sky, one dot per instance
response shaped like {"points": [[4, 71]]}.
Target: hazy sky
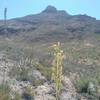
{"points": [[19, 8]]}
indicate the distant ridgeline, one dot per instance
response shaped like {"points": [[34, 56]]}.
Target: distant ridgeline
{"points": [[51, 24]]}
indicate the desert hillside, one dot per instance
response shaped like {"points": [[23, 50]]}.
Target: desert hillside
{"points": [[27, 48]]}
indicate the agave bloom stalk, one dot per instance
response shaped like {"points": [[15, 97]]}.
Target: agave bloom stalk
{"points": [[57, 69]]}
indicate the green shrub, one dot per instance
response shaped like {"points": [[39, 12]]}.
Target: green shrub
{"points": [[17, 96], [36, 82], [24, 74], [45, 71], [14, 72], [83, 84], [21, 74], [28, 93], [5, 92]]}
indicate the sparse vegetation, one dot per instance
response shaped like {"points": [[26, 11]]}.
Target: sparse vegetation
{"points": [[88, 86], [82, 84], [5, 92], [28, 94], [23, 47], [17, 96], [45, 71]]}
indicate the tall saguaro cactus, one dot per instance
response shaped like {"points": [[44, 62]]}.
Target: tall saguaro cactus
{"points": [[5, 20], [5, 15], [57, 69]]}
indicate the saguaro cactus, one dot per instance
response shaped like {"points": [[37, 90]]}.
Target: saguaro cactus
{"points": [[57, 69]]}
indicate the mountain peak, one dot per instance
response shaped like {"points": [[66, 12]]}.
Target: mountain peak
{"points": [[50, 9]]}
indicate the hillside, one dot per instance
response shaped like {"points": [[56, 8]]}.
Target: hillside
{"points": [[52, 24], [26, 56]]}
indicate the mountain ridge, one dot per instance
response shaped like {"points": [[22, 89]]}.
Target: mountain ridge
{"points": [[52, 23]]}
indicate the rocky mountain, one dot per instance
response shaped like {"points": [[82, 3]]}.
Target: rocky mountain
{"points": [[51, 24]]}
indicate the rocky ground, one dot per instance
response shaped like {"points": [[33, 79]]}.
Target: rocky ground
{"points": [[40, 92]]}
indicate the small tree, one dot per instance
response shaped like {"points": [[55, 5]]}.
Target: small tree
{"points": [[57, 69]]}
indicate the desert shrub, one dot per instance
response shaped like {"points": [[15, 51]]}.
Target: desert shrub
{"points": [[17, 96], [86, 85], [97, 76], [5, 92], [24, 74], [45, 71], [21, 74], [87, 96], [14, 72], [28, 94], [34, 81]]}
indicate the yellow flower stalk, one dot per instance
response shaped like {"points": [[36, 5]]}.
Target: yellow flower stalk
{"points": [[57, 69]]}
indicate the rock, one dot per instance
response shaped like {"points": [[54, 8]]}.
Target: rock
{"points": [[18, 86], [44, 97], [67, 96], [69, 91], [91, 88], [38, 75], [50, 9], [68, 85], [44, 89], [43, 92]]}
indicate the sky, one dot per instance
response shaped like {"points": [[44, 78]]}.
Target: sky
{"points": [[20, 8]]}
